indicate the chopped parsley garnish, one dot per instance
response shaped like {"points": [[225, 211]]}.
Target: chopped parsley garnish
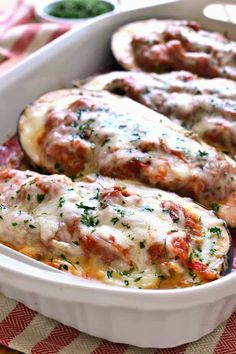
{"points": [[215, 207], [126, 272], [190, 258], [103, 203], [142, 244], [14, 224], [216, 230], [212, 251], [76, 243], [202, 154], [192, 275], [66, 260], [64, 266], [109, 274], [51, 259], [28, 197], [126, 282], [85, 207], [1, 217], [40, 198], [137, 279], [176, 220], [32, 226], [89, 220], [120, 211], [105, 142], [127, 226], [114, 220], [97, 194], [61, 202], [84, 128], [148, 208]]}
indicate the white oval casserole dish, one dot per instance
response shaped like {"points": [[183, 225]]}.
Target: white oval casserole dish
{"points": [[163, 318]]}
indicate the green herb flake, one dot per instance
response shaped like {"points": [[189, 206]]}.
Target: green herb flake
{"points": [[216, 230], [109, 274], [14, 224], [127, 226], [137, 279], [148, 208], [114, 220], [126, 282], [142, 244], [85, 207], [67, 260], [61, 202], [212, 251], [89, 220], [192, 275], [190, 258], [215, 207], [105, 142], [32, 226], [63, 266], [76, 243], [202, 154], [103, 203], [40, 198]]}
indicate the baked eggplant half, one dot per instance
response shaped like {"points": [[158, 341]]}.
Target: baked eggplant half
{"points": [[165, 45], [206, 106], [79, 131], [116, 232]]}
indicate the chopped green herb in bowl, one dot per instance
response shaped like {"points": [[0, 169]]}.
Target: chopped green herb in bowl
{"points": [[72, 10], [79, 8]]}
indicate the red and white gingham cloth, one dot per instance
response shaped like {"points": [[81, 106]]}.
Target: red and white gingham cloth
{"points": [[27, 331], [21, 35]]}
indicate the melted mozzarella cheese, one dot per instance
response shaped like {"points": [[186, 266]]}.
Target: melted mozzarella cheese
{"points": [[121, 138], [164, 45], [117, 232], [205, 106]]}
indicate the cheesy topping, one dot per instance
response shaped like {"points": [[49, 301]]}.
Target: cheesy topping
{"points": [[117, 232], [82, 131], [205, 106], [164, 45]]}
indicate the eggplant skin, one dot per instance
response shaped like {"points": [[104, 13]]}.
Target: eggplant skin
{"points": [[27, 157], [229, 258]]}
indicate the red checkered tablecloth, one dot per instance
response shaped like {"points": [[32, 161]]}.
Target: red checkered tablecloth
{"points": [[26, 330]]}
